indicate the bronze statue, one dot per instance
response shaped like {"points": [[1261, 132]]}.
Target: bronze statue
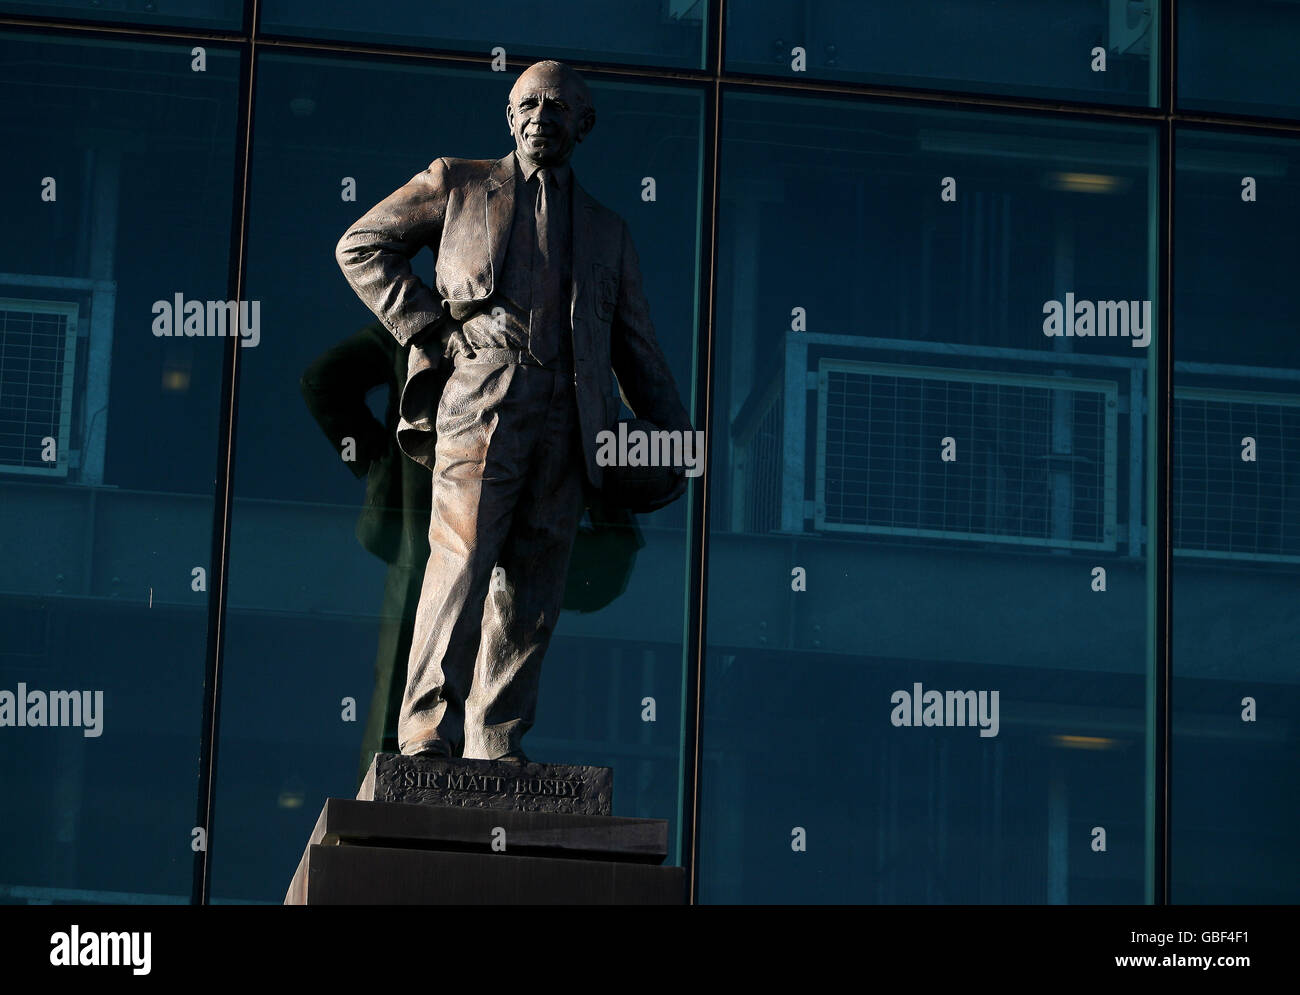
{"points": [[537, 297], [394, 520]]}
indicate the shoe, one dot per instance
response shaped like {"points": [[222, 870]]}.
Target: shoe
{"points": [[513, 757], [436, 749]]}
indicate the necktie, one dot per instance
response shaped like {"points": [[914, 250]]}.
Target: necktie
{"points": [[543, 277], [545, 190]]}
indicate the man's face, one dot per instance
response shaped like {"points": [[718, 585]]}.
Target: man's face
{"points": [[548, 118]]}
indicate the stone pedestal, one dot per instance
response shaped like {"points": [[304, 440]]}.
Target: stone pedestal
{"points": [[457, 832]]}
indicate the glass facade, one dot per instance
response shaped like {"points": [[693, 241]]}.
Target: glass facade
{"points": [[195, 14], [665, 33], [120, 176], [1239, 58], [1095, 51], [864, 319], [984, 594], [1236, 521], [296, 506]]}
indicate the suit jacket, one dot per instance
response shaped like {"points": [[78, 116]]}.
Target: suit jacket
{"points": [[394, 522], [462, 209]]}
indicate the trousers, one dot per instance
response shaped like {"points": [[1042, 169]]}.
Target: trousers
{"points": [[507, 501]]}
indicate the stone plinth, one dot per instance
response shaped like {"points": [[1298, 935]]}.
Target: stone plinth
{"points": [[425, 831], [489, 784]]}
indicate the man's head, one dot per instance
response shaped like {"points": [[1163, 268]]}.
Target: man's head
{"points": [[549, 113]]}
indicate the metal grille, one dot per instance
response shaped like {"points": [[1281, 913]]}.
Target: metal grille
{"points": [[1226, 506], [38, 341], [1035, 456]]}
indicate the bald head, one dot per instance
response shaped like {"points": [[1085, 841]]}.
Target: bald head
{"points": [[551, 75], [549, 112]]}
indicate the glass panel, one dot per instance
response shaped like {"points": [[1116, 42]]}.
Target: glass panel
{"points": [[1236, 480], [1240, 57], [227, 14], [1099, 51], [119, 162], [316, 617], [916, 491], [639, 32]]}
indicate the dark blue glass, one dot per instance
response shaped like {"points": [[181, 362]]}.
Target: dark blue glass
{"points": [[669, 33], [1236, 480], [119, 176], [312, 612], [228, 14], [913, 491], [1097, 51], [1239, 58]]}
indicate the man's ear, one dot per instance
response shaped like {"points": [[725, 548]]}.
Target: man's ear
{"points": [[587, 124], [510, 118]]}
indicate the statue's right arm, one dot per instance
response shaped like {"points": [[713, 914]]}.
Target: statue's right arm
{"points": [[375, 253]]}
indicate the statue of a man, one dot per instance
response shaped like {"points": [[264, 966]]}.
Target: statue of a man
{"points": [[537, 298]]}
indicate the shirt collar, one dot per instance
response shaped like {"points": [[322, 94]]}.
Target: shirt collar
{"points": [[527, 169]]}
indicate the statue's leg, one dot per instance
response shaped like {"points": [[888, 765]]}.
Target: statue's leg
{"points": [[477, 477], [522, 609]]}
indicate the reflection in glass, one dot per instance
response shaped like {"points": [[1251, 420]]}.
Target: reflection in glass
{"points": [[117, 174], [637, 32], [1239, 57], [1236, 523], [1098, 51], [178, 13], [913, 490]]}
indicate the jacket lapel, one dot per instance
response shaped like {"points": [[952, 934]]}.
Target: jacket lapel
{"points": [[583, 207], [499, 213]]}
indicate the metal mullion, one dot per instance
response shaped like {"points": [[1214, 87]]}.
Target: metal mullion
{"points": [[1161, 545], [224, 486], [697, 597]]}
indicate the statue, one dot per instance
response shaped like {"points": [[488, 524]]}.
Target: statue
{"points": [[537, 297]]}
